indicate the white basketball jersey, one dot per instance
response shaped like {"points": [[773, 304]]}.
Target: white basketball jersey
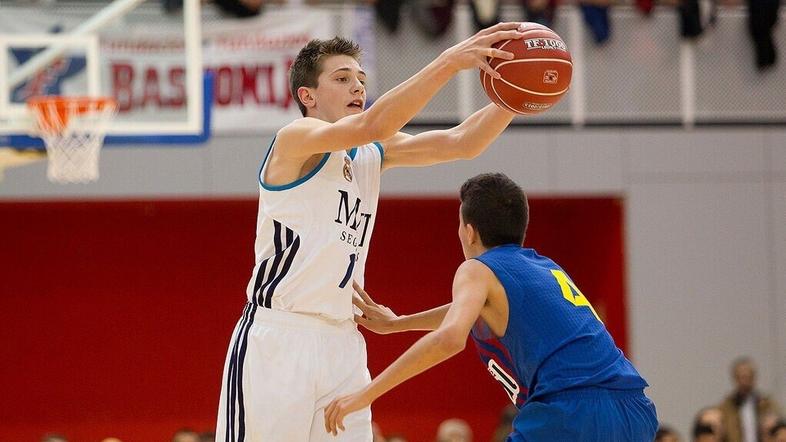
{"points": [[313, 234]]}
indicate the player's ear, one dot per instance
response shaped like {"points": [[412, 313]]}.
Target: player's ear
{"points": [[473, 237], [306, 96]]}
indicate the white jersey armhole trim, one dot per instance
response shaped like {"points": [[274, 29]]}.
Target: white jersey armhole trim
{"points": [[354, 151], [381, 152], [295, 183]]}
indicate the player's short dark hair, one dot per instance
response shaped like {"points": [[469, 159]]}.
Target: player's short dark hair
{"points": [[496, 207], [307, 66]]}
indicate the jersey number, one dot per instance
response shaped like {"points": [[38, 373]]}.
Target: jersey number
{"points": [[571, 292], [507, 381]]}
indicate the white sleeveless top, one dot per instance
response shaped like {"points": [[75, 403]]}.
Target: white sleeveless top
{"points": [[313, 234]]}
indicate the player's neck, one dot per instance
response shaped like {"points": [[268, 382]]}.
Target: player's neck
{"points": [[476, 250], [320, 116]]}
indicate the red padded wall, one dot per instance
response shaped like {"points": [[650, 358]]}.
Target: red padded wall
{"points": [[115, 315]]}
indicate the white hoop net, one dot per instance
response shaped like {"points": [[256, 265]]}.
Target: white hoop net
{"points": [[73, 129]]}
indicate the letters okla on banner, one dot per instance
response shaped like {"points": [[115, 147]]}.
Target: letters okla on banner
{"points": [[250, 60]]}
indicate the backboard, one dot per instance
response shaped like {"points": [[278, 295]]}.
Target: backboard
{"points": [[95, 49]]}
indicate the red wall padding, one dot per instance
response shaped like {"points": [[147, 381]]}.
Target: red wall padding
{"points": [[115, 316]]}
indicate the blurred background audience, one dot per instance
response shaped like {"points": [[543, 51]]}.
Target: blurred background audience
{"points": [[454, 430], [745, 409]]}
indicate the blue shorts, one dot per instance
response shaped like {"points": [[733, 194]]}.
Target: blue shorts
{"points": [[587, 415]]}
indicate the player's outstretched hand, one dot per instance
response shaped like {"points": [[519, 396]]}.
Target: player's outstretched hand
{"points": [[340, 407], [476, 51], [376, 317]]}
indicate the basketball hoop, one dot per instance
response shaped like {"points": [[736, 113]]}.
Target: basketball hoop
{"points": [[73, 129]]}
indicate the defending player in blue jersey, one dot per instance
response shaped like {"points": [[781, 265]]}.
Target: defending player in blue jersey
{"points": [[534, 329]]}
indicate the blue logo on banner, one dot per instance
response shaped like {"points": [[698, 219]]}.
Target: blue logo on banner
{"points": [[49, 80]]}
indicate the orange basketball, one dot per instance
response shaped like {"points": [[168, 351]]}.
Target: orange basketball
{"points": [[536, 78]]}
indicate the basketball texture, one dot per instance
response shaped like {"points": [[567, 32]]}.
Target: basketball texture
{"points": [[538, 75]]}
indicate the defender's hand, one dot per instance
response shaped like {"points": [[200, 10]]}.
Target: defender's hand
{"points": [[376, 317], [340, 407], [476, 51]]}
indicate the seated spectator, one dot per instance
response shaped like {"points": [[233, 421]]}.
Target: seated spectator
{"points": [[778, 432], [207, 436], [745, 406], [111, 439], [398, 437], [768, 422], [505, 425], [377, 433], [235, 8], [711, 417], [704, 433], [185, 435], [454, 430], [666, 434], [53, 437]]}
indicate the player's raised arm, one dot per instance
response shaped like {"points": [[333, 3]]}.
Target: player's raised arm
{"points": [[465, 141], [341, 125]]}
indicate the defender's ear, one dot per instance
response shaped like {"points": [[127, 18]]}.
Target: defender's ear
{"points": [[473, 237]]}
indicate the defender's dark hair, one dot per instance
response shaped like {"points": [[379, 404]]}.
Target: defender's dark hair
{"points": [[307, 66], [497, 208]]}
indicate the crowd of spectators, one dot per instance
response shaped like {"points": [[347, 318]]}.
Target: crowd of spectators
{"points": [[746, 414], [434, 17]]}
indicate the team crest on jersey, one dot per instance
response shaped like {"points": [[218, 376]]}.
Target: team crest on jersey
{"points": [[347, 169]]}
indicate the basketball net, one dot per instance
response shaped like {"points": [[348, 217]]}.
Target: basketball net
{"points": [[73, 129]]}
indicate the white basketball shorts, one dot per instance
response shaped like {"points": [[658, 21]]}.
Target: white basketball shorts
{"points": [[282, 370]]}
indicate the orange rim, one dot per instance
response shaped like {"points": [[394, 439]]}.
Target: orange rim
{"points": [[53, 112]]}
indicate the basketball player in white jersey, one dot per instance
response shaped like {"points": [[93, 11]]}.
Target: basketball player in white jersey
{"points": [[296, 346]]}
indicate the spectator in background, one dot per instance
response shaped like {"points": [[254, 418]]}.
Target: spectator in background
{"points": [[53, 437], [711, 417], [743, 409], [185, 435], [235, 8], [704, 433], [768, 422], [666, 434], [505, 425], [778, 432], [398, 437], [762, 18], [454, 430], [207, 436], [377, 433], [111, 439]]}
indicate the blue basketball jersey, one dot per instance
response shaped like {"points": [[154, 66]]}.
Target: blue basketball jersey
{"points": [[554, 340]]}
